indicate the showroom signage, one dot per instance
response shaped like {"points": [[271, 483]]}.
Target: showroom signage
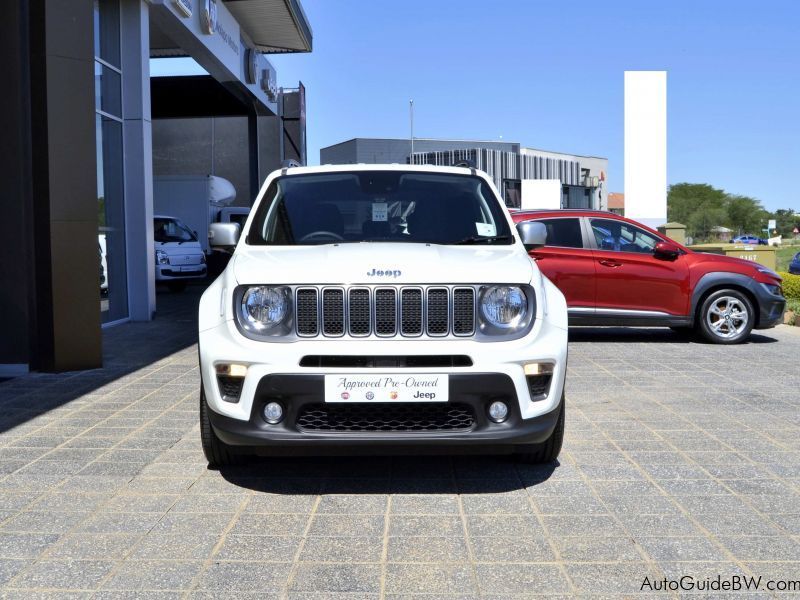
{"points": [[184, 7], [218, 41], [208, 17], [269, 83], [251, 74]]}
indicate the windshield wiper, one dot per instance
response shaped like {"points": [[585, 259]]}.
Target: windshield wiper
{"points": [[477, 239]]}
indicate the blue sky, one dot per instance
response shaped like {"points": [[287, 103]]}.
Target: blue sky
{"points": [[550, 75]]}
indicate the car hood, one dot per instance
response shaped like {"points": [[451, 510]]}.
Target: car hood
{"points": [[720, 259], [381, 263], [176, 249]]}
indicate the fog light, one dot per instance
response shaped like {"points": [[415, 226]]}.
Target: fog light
{"points": [[538, 368], [231, 370], [273, 413], [498, 411]]}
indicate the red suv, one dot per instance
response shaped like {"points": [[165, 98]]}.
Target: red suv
{"points": [[615, 271]]}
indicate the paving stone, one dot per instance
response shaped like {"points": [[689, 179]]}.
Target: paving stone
{"points": [[24, 545], [224, 577], [573, 525], [341, 577], [151, 503], [609, 578], [187, 545], [94, 546], [278, 503], [275, 524], [757, 548], [106, 522], [10, 567], [429, 578], [425, 525], [43, 522], [138, 575], [174, 522], [504, 526], [351, 504], [666, 549], [495, 504], [64, 574], [337, 525], [272, 548], [349, 548], [521, 579], [511, 549], [427, 549], [421, 504], [596, 549]]}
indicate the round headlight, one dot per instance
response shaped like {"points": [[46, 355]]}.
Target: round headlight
{"points": [[264, 307], [504, 306]]}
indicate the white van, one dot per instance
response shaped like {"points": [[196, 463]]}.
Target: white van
{"points": [[179, 257]]}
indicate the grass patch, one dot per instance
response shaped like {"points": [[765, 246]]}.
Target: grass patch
{"points": [[784, 255]]}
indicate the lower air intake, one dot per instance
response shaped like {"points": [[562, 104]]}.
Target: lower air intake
{"points": [[417, 417]]}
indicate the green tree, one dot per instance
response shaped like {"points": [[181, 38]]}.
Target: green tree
{"points": [[745, 215], [699, 206], [702, 207]]}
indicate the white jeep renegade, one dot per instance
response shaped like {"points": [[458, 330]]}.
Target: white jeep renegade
{"points": [[381, 308]]}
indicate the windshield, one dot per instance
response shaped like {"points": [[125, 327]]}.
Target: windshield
{"points": [[166, 229], [379, 206]]}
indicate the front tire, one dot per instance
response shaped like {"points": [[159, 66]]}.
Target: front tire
{"points": [[218, 453], [726, 317], [548, 450]]}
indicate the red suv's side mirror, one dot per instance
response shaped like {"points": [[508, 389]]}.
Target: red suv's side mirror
{"points": [[666, 250]]}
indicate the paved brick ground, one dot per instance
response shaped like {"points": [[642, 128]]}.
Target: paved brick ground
{"points": [[680, 459]]}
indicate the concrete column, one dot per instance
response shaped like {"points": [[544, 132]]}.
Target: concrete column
{"points": [[16, 266], [255, 159], [138, 144], [646, 146], [64, 300]]}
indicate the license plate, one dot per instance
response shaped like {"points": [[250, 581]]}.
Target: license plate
{"points": [[421, 387]]}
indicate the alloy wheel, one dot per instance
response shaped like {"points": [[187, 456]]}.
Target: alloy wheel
{"points": [[727, 317]]}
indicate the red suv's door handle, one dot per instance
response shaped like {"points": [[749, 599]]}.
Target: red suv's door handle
{"points": [[610, 263]]}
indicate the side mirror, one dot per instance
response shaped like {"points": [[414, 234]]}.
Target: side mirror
{"points": [[532, 234], [223, 235], [666, 251]]}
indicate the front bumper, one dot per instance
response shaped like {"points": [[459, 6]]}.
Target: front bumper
{"points": [[174, 273], [297, 393], [771, 309]]}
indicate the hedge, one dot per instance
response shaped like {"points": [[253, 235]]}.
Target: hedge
{"points": [[791, 285]]}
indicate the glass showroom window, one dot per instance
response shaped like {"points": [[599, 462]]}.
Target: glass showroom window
{"points": [[110, 166]]}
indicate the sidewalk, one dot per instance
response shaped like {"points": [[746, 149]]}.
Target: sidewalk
{"points": [[680, 459]]}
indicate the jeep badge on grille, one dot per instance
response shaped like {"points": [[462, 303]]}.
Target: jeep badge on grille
{"points": [[386, 273]]}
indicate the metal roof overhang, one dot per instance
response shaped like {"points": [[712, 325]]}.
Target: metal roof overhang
{"points": [[274, 26]]}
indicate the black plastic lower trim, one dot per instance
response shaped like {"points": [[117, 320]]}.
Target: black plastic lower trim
{"points": [[600, 320], [293, 391]]}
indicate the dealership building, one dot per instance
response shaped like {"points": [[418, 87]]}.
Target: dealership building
{"points": [[86, 128], [572, 181]]}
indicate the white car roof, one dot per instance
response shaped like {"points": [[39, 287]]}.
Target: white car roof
{"points": [[377, 167]]}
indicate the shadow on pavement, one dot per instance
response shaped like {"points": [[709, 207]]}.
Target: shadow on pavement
{"points": [[126, 348], [659, 335], [416, 474]]}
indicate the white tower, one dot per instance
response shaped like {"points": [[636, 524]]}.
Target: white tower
{"points": [[646, 147]]}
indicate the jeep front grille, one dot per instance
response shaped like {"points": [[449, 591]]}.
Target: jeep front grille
{"points": [[385, 311]]}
